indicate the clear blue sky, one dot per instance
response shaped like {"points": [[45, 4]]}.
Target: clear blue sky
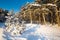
{"points": [[13, 4]]}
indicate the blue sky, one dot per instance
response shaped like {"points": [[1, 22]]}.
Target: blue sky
{"points": [[13, 4]]}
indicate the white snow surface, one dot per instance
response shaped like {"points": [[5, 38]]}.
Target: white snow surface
{"points": [[34, 32]]}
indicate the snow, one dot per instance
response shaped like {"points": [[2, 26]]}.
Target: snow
{"points": [[52, 4], [20, 39], [51, 33], [1, 33], [35, 4], [33, 32]]}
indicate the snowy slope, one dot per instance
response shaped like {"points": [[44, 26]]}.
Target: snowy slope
{"points": [[34, 32], [1, 31]]}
